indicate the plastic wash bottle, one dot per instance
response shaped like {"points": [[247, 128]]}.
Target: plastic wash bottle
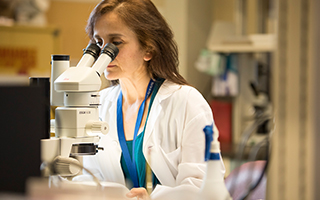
{"points": [[213, 186]]}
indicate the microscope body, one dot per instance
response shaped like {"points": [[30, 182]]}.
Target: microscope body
{"points": [[79, 118], [76, 125]]}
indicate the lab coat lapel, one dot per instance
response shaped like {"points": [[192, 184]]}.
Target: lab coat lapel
{"points": [[152, 153], [153, 117], [165, 91]]}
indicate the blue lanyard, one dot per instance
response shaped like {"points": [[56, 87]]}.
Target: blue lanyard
{"points": [[131, 162]]}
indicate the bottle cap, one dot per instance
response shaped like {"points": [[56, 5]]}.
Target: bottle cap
{"points": [[212, 148]]}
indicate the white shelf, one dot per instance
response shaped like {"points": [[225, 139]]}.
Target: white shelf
{"points": [[241, 48]]}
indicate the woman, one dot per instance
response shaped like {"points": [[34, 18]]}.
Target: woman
{"points": [[155, 118]]}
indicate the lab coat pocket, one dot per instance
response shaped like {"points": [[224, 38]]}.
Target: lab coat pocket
{"points": [[172, 159]]}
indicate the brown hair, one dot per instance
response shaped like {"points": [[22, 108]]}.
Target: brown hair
{"points": [[153, 33]]}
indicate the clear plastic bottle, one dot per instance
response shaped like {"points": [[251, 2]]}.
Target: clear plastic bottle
{"points": [[213, 186]]}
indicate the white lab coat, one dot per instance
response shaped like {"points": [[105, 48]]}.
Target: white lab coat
{"points": [[174, 140]]}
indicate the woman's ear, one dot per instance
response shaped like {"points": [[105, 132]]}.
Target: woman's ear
{"points": [[147, 56]]}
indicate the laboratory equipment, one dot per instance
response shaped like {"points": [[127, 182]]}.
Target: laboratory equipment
{"points": [[262, 121], [45, 83], [59, 64], [77, 125], [213, 186], [259, 112], [23, 125]]}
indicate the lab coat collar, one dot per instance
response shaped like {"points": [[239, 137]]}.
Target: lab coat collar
{"points": [[166, 90]]}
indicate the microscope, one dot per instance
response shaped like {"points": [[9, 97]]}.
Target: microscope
{"points": [[76, 125]]}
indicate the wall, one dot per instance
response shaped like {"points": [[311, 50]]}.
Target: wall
{"points": [[71, 18], [293, 173], [314, 106], [190, 21], [223, 10], [198, 28], [175, 13]]}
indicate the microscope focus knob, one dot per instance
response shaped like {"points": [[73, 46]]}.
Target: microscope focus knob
{"points": [[97, 127], [66, 166]]}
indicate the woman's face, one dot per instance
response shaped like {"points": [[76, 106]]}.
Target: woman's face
{"points": [[131, 60]]}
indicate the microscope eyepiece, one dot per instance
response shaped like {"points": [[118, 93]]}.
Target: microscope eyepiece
{"points": [[111, 50], [93, 50], [108, 54], [58, 57]]}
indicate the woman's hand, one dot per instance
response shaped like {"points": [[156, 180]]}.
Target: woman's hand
{"points": [[140, 193]]}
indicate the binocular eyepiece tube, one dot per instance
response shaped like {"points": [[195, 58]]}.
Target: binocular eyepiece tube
{"points": [[108, 54]]}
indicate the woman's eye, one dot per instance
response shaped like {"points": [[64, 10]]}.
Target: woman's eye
{"points": [[116, 43]]}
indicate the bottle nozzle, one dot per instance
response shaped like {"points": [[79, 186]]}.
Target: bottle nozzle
{"points": [[208, 131]]}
